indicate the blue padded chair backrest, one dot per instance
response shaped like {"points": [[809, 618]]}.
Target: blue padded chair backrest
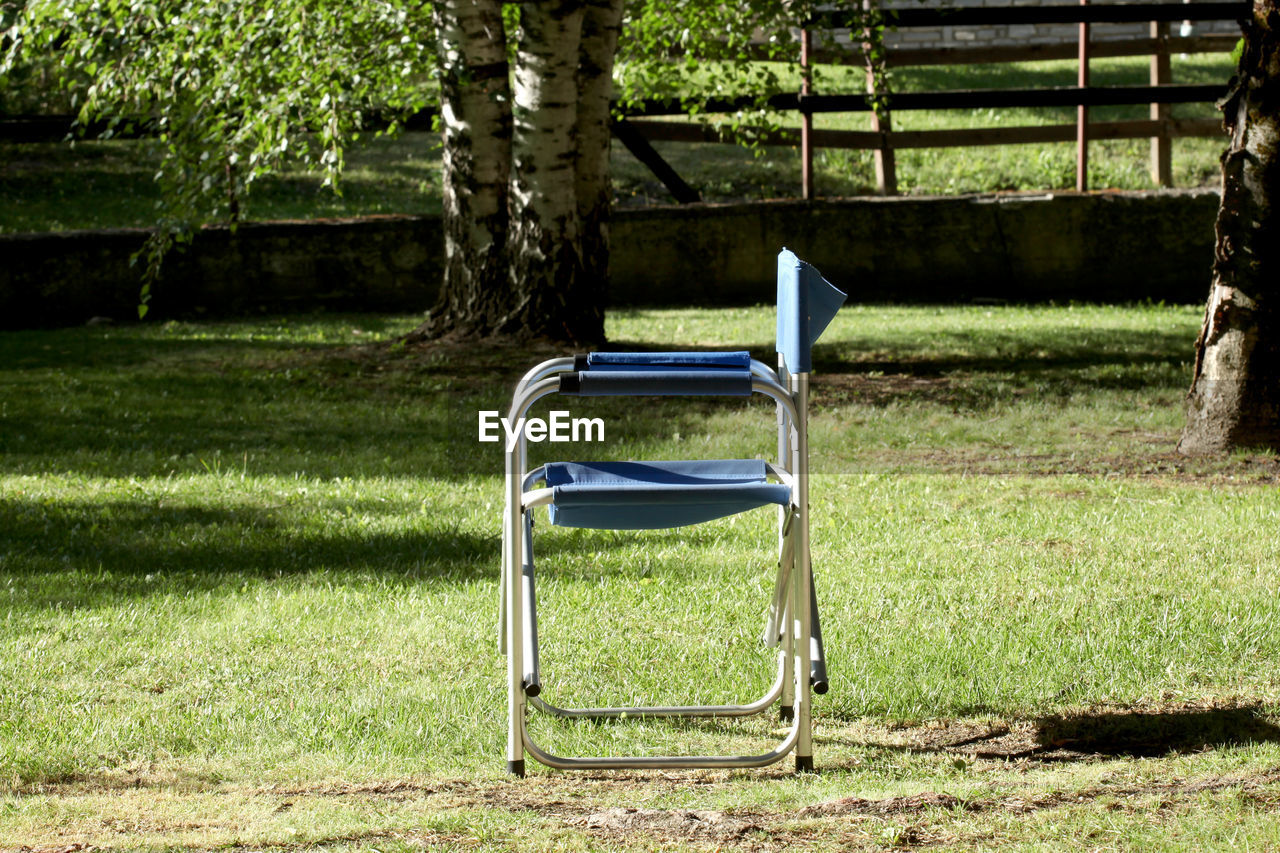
{"points": [[806, 304]]}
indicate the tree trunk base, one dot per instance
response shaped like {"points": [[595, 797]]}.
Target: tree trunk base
{"points": [[1224, 415], [1234, 402], [445, 331]]}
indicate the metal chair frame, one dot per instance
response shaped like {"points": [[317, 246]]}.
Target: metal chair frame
{"points": [[795, 630]]}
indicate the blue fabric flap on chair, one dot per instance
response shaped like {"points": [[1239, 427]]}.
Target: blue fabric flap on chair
{"points": [[647, 495], [807, 302], [668, 360]]}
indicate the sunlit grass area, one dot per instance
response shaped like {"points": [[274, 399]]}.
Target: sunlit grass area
{"points": [[108, 184], [248, 588]]}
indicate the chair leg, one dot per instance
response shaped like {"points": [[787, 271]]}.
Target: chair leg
{"points": [[817, 651], [532, 681], [780, 625], [515, 632], [787, 703], [801, 598], [502, 595]]}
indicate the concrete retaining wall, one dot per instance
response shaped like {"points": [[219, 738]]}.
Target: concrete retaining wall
{"points": [[375, 264], [1098, 247]]}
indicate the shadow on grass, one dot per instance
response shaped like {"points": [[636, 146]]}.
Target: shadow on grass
{"points": [[1151, 734], [81, 553], [73, 554], [1096, 734]]}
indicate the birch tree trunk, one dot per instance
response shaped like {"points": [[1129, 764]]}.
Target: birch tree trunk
{"points": [[1234, 399], [553, 295], [526, 169], [601, 25], [475, 112]]}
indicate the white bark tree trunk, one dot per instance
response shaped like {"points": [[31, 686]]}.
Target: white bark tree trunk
{"points": [[553, 296], [1235, 394], [526, 166], [475, 115]]}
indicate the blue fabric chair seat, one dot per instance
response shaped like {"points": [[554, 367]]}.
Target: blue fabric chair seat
{"points": [[648, 495]]}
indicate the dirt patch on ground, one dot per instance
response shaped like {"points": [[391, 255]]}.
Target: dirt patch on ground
{"points": [[668, 823], [891, 805]]}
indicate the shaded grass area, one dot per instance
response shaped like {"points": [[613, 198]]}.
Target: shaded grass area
{"points": [[247, 590], [108, 184], [57, 187]]}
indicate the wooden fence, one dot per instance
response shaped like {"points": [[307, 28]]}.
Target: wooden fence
{"points": [[638, 129]]}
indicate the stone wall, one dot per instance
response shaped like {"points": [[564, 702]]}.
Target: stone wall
{"points": [[386, 263], [1096, 247]]}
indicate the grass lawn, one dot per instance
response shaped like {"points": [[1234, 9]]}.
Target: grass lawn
{"points": [[52, 187], [248, 587]]}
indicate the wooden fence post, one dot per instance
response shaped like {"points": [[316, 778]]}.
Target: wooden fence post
{"points": [[1161, 143], [885, 163], [1082, 112], [806, 118]]}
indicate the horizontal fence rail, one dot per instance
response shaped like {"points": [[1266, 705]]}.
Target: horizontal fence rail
{"points": [[901, 57], [1049, 96], [979, 16], [949, 138]]}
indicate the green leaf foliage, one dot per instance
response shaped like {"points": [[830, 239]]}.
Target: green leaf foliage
{"points": [[230, 90]]}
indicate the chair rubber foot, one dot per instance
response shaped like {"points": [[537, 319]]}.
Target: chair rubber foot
{"points": [[804, 763], [516, 768], [821, 687], [787, 713]]}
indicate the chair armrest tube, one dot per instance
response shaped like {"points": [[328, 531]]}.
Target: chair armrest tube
{"points": [[582, 361], [699, 360], [665, 383]]}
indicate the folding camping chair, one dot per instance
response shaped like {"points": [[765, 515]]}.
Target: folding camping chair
{"points": [[663, 494]]}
